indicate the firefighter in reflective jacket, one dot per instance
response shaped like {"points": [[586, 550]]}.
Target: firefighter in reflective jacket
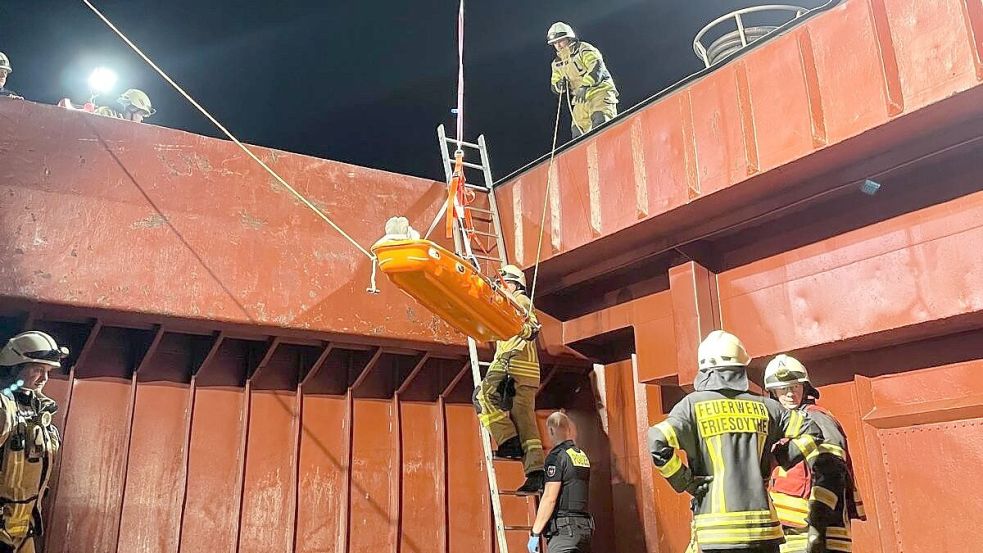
{"points": [[506, 399], [27, 436], [727, 434], [579, 70], [787, 380]]}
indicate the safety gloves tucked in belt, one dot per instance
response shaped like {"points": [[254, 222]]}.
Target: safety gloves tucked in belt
{"points": [[580, 94], [533, 545], [699, 486]]}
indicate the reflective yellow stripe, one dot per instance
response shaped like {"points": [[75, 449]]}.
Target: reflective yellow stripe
{"points": [[532, 444], [792, 511], [824, 496], [795, 421], [674, 465], [670, 433], [734, 517], [834, 449], [718, 503], [807, 446], [739, 535], [489, 419]]}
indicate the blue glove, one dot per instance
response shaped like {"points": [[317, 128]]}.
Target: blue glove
{"points": [[533, 544]]}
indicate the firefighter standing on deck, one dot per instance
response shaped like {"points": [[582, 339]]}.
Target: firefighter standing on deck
{"points": [[579, 71], [727, 434], [506, 399], [5, 70], [136, 107], [563, 509], [788, 381], [28, 439]]}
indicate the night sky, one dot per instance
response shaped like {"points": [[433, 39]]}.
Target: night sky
{"points": [[357, 81]]}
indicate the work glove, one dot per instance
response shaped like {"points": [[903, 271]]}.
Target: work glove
{"points": [[816, 541], [535, 333], [580, 94], [699, 486], [533, 545]]}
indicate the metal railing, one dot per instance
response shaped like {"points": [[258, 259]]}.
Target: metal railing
{"points": [[733, 41]]}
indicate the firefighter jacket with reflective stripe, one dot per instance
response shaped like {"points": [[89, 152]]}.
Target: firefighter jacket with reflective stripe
{"points": [[582, 66], [730, 435], [791, 490], [518, 355], [30, 442]]}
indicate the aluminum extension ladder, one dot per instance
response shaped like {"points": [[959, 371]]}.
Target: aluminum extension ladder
{"points": [[489, 258]]}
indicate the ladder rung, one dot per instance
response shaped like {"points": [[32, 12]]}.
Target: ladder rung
{"points": [[480, 233], [476, 187], [486, 258], [484, 364], [480, 210], [473, 165], [462, 143]]}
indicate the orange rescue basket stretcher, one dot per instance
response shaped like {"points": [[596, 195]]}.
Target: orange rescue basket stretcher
{"points": [[451, 288]]}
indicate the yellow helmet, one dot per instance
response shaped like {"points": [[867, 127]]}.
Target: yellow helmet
{"points": [[511, 273], [559, 31], [138, 99], [722, 349], [784, 370], [32, 346]]}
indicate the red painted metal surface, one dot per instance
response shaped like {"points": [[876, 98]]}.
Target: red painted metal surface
{"points": [[920, 267], [322, 521], [225, 243], [267, 427], [210, 517], [266, 521], [865, 65], [155, 469]]}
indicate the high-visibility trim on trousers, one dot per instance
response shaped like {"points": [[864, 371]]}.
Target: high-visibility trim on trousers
{"points": [[837, 539], [736, 528]]}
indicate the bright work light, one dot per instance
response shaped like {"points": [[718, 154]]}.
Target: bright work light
{"points": [[102, 80]]}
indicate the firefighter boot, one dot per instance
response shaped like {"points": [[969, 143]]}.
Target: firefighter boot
{"points": [[510, 449], [533, 484]]}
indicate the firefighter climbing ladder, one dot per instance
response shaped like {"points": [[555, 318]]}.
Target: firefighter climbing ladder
{"points": [[490, 256]]}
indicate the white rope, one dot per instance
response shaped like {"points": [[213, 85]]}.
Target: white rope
{"points": [[204, 112], [546, 202]]}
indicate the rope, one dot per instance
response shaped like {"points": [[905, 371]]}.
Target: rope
{"points": [[460, 76], [546, 202], [225, 131]]}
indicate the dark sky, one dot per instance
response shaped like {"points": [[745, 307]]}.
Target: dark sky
{"points": [[357, 81]]}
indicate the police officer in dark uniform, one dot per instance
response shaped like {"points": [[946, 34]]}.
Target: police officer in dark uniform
{"points": [[562, 517]]}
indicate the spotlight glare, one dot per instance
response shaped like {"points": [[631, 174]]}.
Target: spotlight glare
{"points": [[102, 80]]}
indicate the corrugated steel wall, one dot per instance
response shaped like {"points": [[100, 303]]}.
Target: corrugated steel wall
{"points": [[184, 442]]}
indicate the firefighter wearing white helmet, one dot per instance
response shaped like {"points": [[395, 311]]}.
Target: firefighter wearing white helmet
{"points": [[506, 398], [728, 435], [791, 490], [136, 106], [579, 70], [5, 70], [28, 438]]}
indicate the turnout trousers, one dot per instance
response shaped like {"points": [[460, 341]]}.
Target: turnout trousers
{"points": [[520, 421]]}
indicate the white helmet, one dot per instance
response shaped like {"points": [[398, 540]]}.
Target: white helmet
{"points": [[5, 63], [511, 273], [558, 31], [722, 349], [32, 346], [785, 370]]}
